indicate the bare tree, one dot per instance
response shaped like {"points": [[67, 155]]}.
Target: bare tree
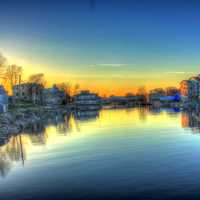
{"points": [[2, 66], [76, 89], [172, 91], [129, 94], [66, 87], [13, 76], [159, 91], [143, 93], [37, 78]]}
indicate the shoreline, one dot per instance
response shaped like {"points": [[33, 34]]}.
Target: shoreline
{"points": [[26, 119], [18, 120]]}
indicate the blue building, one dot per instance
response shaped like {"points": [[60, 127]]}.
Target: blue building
{"points": [[175, 98], [3, 100]]}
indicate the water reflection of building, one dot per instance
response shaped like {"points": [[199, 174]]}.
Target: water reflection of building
{"points": [[12, 151], [190, 89], [167, 110], [65, 126], [191, 120], [184, 120], [143, 113], [86, 115]]}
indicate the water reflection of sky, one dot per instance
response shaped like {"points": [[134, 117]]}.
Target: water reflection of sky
{"points": [[73, 130], [115, 137]]}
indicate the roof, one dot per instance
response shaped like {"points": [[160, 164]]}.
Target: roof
{"points": [[171, 98], [52, 90], [86, 92], [28, 85]]}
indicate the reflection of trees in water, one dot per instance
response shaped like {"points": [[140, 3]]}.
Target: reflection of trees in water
{"points": [[15, 149], [12, 151], [38, 134], [143, 113], [154, 111], [38, 139], [5, 164], [65, 126]]}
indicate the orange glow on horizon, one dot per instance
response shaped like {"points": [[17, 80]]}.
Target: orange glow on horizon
{"points": [[104, 87]]}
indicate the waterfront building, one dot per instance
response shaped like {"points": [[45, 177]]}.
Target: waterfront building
{"points": [[175, 98], [118, 100], [158, 97], [171, 91], [3, 100], [54, 96], [194, 84], [29, 92], [184, 88], [128, 100], [190, 89], [86, 100], [155, 95]]}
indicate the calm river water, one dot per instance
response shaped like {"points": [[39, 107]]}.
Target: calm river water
{"points": [[113, 154]]}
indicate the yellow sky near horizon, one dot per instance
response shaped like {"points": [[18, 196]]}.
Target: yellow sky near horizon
{"points": [[102, 83]]}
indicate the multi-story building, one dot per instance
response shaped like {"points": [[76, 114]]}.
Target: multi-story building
{"points": [[190, 88], [193, 88], [184, 88], [29, 92], [197, 79]]}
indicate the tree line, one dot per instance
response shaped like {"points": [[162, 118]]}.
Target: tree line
{"points": [[11, 75]]}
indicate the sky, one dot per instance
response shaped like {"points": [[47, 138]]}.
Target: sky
{"points": [[107, 46]]}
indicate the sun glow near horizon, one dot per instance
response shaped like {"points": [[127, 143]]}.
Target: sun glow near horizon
{"points": [[112, 82]]}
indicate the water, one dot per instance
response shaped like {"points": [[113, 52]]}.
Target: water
{"points": [[117, 154]]}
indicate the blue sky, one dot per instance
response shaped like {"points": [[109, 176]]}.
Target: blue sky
{"points": [[120, 42]]}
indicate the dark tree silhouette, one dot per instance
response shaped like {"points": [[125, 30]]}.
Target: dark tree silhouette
{"points": [[13, 76], [2, 66], [38, 78]]}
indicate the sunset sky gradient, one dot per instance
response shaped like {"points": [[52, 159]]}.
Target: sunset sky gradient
{"points": [[111, 47]]}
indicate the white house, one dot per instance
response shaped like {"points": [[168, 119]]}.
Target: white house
{"points": [[86, 100], [3, 100]]}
